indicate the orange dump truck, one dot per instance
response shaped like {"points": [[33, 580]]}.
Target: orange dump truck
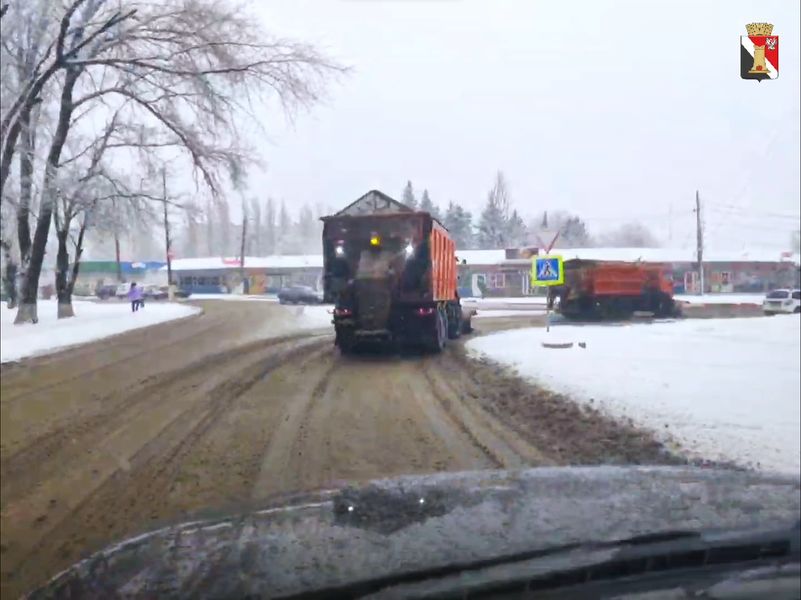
{"points": [[391, 273], [614, 290]]}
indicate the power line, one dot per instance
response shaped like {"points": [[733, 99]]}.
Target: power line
{"points": [[738, 211]]}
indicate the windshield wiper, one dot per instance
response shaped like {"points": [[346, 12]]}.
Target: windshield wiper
{"points": [[572, 564]]}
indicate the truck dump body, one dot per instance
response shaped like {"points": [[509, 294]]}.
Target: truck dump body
{"points": [[391, 274], [604, 289], [412, 249]]}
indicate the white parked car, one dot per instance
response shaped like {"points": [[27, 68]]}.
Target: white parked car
{"points": [[782, 301], [122, 290]]}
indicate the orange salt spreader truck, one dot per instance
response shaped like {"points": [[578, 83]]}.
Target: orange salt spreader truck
{"points": [[595, 289], [391, 273]]}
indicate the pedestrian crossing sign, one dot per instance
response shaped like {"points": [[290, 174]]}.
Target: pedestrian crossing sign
{"points": [[547, 270]]}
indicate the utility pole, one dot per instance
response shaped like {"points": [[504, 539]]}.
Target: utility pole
{"points": [[167, 243], [699, 240], [245, 289], [117, 256]]}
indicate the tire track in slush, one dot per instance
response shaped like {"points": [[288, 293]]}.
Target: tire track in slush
{"points": [[90, 432], [129, 498], [505, 449], [276, 471]]}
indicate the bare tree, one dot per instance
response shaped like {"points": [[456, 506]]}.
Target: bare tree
{"points": [[629, 235], [182, 68]]}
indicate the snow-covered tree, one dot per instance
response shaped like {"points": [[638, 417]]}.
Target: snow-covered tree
{"points": [[516, 231], [408, 198], [493, 225], [183, 70], [629, 235], [427, 205], [459, 224]]}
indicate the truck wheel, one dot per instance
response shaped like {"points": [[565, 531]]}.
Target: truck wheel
{"points": [[440, 332], [346, 342], [455, 323]]}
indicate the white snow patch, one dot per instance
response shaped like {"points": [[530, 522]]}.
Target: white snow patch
{"points": [[234, 297], [724, 389], [536, 300], [721, 299], [489, 314], [311, 317], [92, 321]]}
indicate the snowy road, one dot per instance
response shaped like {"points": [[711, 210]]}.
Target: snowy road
{"points": [[218, 412], [724, 389]]}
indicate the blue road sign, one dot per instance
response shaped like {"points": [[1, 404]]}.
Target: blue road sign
{"points": [[547, 270]]}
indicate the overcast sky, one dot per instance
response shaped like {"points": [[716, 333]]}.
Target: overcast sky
{"points": [[616, 110]]}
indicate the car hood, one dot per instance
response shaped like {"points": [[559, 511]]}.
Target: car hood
{"points": [[386, 527]]}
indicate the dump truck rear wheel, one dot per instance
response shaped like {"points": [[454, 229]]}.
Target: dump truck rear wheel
{"points": [[440, 332], [346, 342], [455, 322]]}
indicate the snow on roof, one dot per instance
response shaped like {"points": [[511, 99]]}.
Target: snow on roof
{"points": [[496, 257], [251, 262], [674, 255], [481, 257]]}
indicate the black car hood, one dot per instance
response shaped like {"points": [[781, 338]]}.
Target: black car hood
{"points": [[387, 527]]}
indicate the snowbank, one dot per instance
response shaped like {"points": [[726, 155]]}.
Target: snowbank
{"points": [[92, 321], [721, 299], [537, 300], [234, 297], [488, 314], [724, 389], [310, 317]]}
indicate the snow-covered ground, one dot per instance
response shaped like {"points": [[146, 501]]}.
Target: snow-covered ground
{"points": [[310, 317], [234, 297], [721, 298], [723, 389], [493, 313], [506, 300], [92, 321]]}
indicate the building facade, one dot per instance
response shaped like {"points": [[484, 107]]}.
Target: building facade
{"points": [[500, 273]]}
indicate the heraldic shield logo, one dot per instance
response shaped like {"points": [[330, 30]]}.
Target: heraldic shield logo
{"points": [[759, 52]]}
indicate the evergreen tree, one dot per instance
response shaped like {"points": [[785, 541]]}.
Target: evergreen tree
{"points": [[284, 232], [516, 231], [428, 206], [459, 224], [493, 226], [269, 228], [408, 197], [256, 235], [574, 233], [307, 231]]}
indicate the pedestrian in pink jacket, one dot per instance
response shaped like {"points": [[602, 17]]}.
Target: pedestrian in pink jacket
{"points": [[135, 296]]}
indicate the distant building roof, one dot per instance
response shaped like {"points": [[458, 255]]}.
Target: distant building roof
{"points": [[497, 257], [128, 267], [251, 262]]}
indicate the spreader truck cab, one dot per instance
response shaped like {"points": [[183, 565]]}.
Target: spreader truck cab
{"points": [[391, 273]]}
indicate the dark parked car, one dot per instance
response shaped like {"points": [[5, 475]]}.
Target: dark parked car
{"points": [[300, 294], [104, 292], [162, 292]]}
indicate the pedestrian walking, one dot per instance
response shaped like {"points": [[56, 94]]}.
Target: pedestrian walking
{"points": [[135, 296]]}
